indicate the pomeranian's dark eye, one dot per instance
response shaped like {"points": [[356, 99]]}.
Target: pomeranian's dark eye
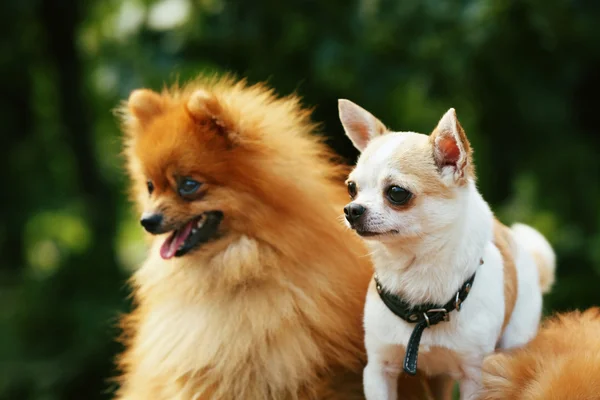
{"points": [[397, 195], [188, 187], [150, 186], [352, 189]]}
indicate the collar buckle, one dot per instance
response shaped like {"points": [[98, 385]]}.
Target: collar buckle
{"points": [[445, 315]]}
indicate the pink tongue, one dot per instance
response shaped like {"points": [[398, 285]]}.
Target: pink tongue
{"points": [[176, 239]]}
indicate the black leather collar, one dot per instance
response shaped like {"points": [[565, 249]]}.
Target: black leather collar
{"points": [[424, 315]]}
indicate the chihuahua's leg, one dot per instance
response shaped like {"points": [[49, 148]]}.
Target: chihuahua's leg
{"points": [[469, 389], [384, 365], [380, 381], [470, 385]]}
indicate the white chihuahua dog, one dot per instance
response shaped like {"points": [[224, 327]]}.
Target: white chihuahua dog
{"points": [[451, 282]]}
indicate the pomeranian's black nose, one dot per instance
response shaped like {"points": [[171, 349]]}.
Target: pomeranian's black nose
{"points": [[151, 222], [353, 212]]}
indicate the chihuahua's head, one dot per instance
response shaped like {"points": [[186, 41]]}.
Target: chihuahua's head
{"points": [[405, 184]]}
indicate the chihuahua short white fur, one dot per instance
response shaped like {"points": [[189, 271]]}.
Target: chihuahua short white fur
{"points": [[425, 250]]}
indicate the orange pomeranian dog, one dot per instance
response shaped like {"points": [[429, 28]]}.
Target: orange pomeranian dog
{"points": [[249, 290], [561, 363]]}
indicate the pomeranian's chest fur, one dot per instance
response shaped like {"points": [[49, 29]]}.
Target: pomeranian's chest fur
{"points": [[283, 334]]}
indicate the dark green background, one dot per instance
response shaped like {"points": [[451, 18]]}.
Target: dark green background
{"points": [[523, 76]]}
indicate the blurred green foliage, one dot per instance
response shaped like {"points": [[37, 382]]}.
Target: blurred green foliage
{"points": [[523, 76]]}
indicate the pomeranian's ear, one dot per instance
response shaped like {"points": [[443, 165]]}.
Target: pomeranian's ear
{"points": [[204, 107], [144, 104], [360, 125], [451, 149]]}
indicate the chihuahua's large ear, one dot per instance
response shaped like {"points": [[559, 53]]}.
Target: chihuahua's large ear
{"points": [[360, 125], [144, 104], [451, 149], [204, 107]]}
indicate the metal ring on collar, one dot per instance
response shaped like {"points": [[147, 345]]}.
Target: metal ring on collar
{"points": [[426, 319]]}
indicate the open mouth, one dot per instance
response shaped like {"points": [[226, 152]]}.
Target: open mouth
{"points": [[191, 235]]}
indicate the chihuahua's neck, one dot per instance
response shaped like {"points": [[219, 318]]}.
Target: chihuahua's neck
{"points": [[433, 268]]}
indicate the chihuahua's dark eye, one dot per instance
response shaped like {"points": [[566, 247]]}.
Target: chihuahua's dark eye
{"points": [[150, 186], [188, 187], [352, 189], [397, 195]]}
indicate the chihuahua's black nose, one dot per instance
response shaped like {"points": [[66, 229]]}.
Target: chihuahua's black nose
{"points": [[353, 212], [151, 222]]}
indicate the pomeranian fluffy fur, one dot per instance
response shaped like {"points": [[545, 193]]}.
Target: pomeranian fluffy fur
{"points": [[271, 306], [561, 363]]}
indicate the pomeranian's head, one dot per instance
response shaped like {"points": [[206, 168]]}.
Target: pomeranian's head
{"points": [[217, 159], [405, 184], [561, 363]]}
